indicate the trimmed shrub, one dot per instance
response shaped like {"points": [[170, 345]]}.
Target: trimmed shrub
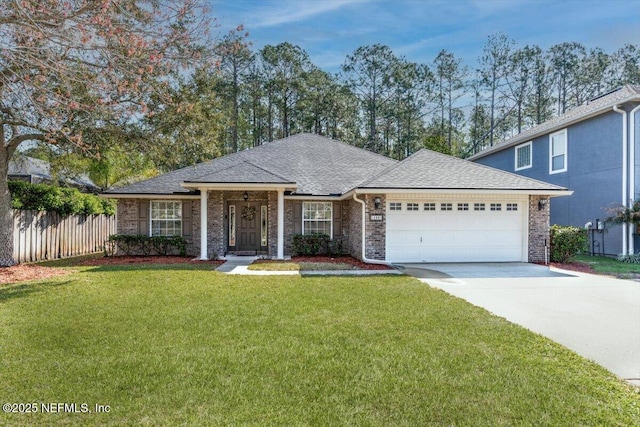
{"points": [[139, 244], [567, 242], [316, 244], [63, 200], [630, 259]]}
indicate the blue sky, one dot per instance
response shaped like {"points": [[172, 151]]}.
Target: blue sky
{"points": [[329, 30]]}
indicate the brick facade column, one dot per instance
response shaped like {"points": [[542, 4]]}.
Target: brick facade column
{"points": [[539, 217]]}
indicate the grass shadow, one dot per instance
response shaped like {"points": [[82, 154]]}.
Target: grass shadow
{"points": [[149, 267], [21, 290]]}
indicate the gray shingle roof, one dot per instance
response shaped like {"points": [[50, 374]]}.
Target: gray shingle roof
{"points": [[318, 165], [430, 170], [595, 107], [243, 172]]}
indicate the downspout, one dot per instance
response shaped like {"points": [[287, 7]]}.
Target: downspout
{"points": [[632, 164], [625, 177], [364, 248]]}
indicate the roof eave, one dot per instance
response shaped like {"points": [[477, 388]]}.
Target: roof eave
{"points": [[525, 138], [239, 185], [534, 192]]}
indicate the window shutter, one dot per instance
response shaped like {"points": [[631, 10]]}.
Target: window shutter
{"points": [[297, 218], [187, 222], [337, 220], [143, 217]]}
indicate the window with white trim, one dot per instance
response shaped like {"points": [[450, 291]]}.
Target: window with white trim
{"points": [[446, 206], [558, 152], [413, 207], [317, 218], [523, 156], [429, 206], [166, 218], [512, 206], [496, 206], [463, 206], [478, 206], [395, 206]]}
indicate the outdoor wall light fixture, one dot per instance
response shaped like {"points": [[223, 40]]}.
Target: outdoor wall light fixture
{"points": [[376, 202], [245, 196], [542, 203]]}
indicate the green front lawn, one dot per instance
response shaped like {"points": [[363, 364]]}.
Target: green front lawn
{"points": [[184, 345], [608, 265]]}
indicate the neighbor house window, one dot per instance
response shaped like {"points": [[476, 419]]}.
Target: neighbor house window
{"points": [[316, 218], [166, 218], [558, 152], [523, 156]]}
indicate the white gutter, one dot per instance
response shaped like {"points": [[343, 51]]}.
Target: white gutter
{"points": [[364, 221], [632, 163], [625, 177]]}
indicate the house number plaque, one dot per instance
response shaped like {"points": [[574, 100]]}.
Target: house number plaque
{"points": [[376, 217]]}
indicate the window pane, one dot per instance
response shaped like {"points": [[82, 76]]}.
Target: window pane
{"points": [[558, 163], [524, 156]]}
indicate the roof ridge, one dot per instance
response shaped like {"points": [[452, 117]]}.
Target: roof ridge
{"points": [[387, 170], [268, 171]]}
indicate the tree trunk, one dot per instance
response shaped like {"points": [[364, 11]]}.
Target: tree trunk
{"points": [[6, 214]]}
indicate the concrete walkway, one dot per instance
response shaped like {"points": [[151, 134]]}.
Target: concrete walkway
{"points": [[596, 316], [240, 265]]}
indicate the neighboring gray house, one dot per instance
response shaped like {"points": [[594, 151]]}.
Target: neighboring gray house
{"points": [[429, 207], [36, 171], [593, 150]]}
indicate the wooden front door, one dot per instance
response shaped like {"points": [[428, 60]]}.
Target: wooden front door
{"points": [[248, 227]]}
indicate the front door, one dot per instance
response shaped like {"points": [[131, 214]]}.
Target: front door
{"points": [[248, 227]]}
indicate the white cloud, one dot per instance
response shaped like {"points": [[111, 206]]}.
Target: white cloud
{"points": [[280, 13]]}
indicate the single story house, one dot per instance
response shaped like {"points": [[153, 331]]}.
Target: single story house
{"points": [[594, 149], [428, 207]]}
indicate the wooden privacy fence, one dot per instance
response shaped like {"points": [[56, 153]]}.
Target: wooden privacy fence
{"points": [[48, 235]]}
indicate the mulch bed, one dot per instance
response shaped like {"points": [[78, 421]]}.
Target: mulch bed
{"points": [[356, 263], [580, 267], [22, 272], [130, 259]]}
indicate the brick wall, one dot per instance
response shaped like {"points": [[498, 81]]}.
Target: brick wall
{"points": [[375, 230], [127, 222], [538, 228]]}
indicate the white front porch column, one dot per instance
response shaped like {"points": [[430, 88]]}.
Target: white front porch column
{"points": [[280, 223], [204, 196]]}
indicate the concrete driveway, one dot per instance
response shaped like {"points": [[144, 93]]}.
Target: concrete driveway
{"points": [[596, 316]]}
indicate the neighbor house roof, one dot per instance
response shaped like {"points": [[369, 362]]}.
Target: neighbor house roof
{"points": [[628, 93], [431, 170], [25, 166], [317, 165]]}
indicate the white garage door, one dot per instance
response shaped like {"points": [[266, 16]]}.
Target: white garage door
{"points": [[480, 230]]}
